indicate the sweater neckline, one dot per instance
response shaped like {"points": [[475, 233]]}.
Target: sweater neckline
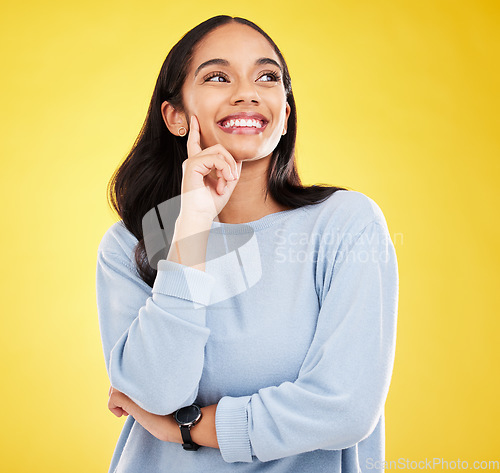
{"points": [[255, 225]]}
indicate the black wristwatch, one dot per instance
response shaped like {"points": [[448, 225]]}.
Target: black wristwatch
{"points": [[186, 417]]}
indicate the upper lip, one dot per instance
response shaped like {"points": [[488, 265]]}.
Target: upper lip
{"points": [[246, 116]]}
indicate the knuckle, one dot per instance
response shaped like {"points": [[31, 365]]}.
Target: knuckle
{"points": [[221, 150]]}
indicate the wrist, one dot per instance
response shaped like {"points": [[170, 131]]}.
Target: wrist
{"points": [[196, 221], [189, 242], [186, 418], [204, 433], [172, 431]]}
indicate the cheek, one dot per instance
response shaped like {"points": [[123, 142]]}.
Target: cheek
{"points": [[207, 132], [278, 106], [283, 111], [203, 102], [204, 109]]}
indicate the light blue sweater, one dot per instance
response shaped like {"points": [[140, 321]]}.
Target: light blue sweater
{"points": [[291, 330]]}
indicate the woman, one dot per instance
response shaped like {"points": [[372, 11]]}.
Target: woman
{"points": [[262, 338]]}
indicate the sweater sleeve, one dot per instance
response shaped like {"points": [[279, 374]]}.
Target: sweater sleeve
{"points": [[153, 341], [339, 395]]}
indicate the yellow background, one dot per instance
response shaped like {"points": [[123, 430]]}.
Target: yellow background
{"points": [[396, 99]]}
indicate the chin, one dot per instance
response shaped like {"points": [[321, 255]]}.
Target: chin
{"points": [[240, 154]]}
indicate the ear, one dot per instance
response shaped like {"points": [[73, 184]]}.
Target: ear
{"points": [[288, 110], [174, 119]]}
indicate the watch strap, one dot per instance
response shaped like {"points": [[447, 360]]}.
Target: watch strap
{"points": [[187, 441]]}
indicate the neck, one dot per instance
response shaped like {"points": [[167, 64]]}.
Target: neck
{"points": [[247, 202]]}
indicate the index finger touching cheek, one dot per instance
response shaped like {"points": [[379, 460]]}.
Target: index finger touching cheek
{"points": [[193, 141]]}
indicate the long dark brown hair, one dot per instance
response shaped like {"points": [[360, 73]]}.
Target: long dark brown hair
{"points": [[152, 171]]}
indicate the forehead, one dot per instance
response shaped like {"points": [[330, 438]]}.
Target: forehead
{"points": [[234, 42]]}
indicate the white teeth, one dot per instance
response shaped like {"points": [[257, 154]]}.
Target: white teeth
{"points": [[241, 122]]}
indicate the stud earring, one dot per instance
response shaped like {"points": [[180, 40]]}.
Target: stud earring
{"points": [[182, 131], [284, 133]]}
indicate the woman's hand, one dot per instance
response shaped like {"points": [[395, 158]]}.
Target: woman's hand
{"points": [[204, 194], [162, 427], [114, 402]]}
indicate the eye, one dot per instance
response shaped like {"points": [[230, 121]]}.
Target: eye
{"points": [[269, 77], [216, 77]]}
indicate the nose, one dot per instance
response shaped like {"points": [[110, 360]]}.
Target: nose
{"points": [[245, 92]]}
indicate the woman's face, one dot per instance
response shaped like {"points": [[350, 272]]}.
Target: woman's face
{"points": [[235, 89]]}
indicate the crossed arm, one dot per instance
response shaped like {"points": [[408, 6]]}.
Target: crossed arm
{"points": [[345, 376], [165, 428]]}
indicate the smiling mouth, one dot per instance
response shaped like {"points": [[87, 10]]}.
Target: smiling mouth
{"points": [[242, 125]]}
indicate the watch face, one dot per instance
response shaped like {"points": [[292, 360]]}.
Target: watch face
{"points": [[188, 415]]}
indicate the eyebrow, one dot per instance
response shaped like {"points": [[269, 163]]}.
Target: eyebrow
{"points": [[223, 62]]}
